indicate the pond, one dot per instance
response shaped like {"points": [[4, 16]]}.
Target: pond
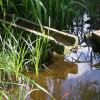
{"points": [[70, 81], [65, 80], [73, 77]]}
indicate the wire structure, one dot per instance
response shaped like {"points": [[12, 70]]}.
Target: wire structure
{"points": [[85, 51]]}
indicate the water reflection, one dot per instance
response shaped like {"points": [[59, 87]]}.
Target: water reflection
{"points": [[83, 86], [68, 82], [65, 81], [53, 80]]}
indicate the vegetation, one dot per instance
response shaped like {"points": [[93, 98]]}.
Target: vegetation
{"points": [[14, 60], [59, 12], [94, 12], [94, 9], [22, 52], [19, 52]]}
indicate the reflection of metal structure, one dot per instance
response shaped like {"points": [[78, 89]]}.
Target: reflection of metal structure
{"points": [[87, 50], [81, 27], [84, 54]]}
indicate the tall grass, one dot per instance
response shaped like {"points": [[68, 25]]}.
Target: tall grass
{"points": [[61, 12], [94, 9], [18, 48], [94, 13], [13, 59], [38, 52]]}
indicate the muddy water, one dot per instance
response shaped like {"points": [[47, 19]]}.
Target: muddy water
{"points": [[70, 81], [64, 81]]}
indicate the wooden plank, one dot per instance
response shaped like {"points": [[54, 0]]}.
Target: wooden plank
{"points": [[96, 37], [60, 41]]}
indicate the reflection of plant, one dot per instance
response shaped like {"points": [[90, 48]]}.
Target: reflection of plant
{"points": [[89, 92], [22, 87], [83, 90], [94, 12]]}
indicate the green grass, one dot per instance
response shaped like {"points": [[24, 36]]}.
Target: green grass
{"points": [[94, 11], [13, 54], [17, 48], [13, 59], [60, 12], [38, 51]]}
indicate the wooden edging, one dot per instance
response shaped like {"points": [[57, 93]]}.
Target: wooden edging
{"points": [[58, 38]]}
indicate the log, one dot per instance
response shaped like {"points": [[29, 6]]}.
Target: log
{"points": [[96, 41], [61, 42], [96, 37]]}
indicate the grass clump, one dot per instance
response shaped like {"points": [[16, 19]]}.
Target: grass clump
{"points": [[13, 60], [60, 12]]}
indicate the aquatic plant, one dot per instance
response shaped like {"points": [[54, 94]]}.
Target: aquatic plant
{"points": [[19, 47], [61, 12], [94, 12], [94, 8], [21, 85], [12, 60], [38, 51]]}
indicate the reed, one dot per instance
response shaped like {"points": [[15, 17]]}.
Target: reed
{"points": [[61, 12], [94, 8], [38, 51], [12, 60]]}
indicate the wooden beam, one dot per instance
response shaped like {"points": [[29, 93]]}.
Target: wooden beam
{"points": [[60, 41]]}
